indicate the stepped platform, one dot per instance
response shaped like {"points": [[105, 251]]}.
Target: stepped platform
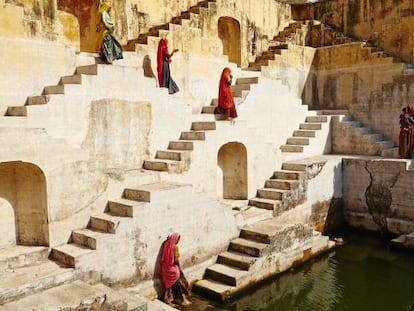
{"points": [[263, 249], [79, 295]]}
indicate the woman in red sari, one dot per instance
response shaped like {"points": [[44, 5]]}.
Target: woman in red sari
{"points": [[163, 66], [226, 104], [171, 274]]}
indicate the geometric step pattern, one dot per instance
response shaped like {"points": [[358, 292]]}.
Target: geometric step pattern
{"points": [[79, 251], [53, 90], [186, 17], [177, 157], [358, 139], [264, 241]]}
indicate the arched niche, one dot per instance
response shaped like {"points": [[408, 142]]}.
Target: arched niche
{"points": [[84, 25], [23, 204], [232, 159], [229, 34]]}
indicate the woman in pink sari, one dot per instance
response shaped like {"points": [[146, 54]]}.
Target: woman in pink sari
{"points": [[171, 274]]}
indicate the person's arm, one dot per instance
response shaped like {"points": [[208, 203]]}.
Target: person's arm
{"points": [[177, 256], [172, 53], [106, 19]]}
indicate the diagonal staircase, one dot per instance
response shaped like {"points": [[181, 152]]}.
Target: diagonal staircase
{"points": [[177, 157], [189, 18]]}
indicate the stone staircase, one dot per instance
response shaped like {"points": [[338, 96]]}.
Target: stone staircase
{"points": [[354, 138], [101, 229], [65, 85], [189, 18], [26, 270], [177, 157], [263, 249]]}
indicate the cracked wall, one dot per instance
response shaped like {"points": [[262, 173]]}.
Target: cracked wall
{"points": [[378, 195]]}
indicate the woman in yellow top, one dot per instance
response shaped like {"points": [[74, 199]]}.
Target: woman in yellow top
{"points": [[111, 49]]}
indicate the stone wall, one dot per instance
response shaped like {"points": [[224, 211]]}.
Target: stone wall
{"points": [[387, 24], [378, 195]]}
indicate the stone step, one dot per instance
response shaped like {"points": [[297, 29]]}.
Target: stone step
{"points": [[17, 256], [236, 259], [304, 133], [181, 144], [79, 295], [310, 126], [252, 248], [213, 289], [391, 153], [334, 112], [104, 223], [240, 87], [225, 274], [271, 193], [54, 89], [287, 174], [159, 165], [173, 155], [71, 255], [298, 141], [265, 203], [37, 100], [208, 109], [28, 280], [317, 118], [247, 80], [124, 207], [292, 166], [193, 135], [156, 192], [203, 126], [283, 184], [87, 69], [73, 79], [16, 111], [89, 238], [291, 148]]}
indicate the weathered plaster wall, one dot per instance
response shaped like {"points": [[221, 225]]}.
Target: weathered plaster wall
{"points": [[378, 195], [388, 23]]}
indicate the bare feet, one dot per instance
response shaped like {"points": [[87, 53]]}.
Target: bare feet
{"points": [[185, 302]]}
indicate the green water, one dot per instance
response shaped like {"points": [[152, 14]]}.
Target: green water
{"points": [[364, 274]]}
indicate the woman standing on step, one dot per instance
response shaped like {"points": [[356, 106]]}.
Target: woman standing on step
{"points": [[163, 66], [172, 277], [226, 104], [111, 49]]}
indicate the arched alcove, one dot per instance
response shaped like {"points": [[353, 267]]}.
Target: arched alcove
{"points": [[85, 11], [232, 159], [23, 204], [229, 34]]}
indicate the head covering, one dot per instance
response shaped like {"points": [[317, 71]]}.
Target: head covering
{"points": [[170, 272], [161, 55], [225, 97], [105, 6]]}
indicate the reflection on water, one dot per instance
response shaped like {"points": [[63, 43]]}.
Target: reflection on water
{"points": [[359, 276]]}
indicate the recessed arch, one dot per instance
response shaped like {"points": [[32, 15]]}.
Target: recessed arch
{"points": [[85, 13], [23, 204], [229, 34], [232, 159]]}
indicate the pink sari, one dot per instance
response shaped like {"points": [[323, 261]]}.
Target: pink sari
{"points": [[170, 272]]}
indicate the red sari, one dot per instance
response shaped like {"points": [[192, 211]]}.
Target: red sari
{"points": [[226, 104], [161, 56], [170, 272]]}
